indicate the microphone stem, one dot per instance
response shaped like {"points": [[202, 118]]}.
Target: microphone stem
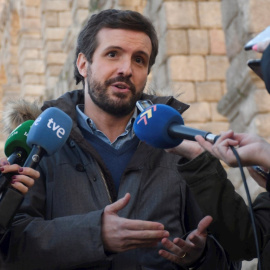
{"points": [[34, 157], [184, 132]]}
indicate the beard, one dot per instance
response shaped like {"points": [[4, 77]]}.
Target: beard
{"points": [[122, 106]]}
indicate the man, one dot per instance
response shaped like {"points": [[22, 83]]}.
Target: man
{"points": [[107, 200]]}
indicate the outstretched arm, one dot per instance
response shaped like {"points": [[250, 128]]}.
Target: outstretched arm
{"points": [[252, 149]]}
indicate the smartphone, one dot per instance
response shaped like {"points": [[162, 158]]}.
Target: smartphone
{"points": [[262, 36], [143, 104], [255, 65]]}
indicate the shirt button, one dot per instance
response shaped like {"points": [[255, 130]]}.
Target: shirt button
{"points": [[80, 167]]}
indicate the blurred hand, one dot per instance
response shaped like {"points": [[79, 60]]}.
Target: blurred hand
{"points": [[187, 149], [187, 252], [121, 234]]}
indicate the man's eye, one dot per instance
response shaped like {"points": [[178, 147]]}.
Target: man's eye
{"points": [[139, 60], [112, 54]]}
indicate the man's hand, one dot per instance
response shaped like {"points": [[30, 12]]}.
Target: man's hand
{"points": [[187, 149], [121, 234], [187, 252]]}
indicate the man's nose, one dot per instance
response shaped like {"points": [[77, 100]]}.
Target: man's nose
{"points": [[125, 68]]}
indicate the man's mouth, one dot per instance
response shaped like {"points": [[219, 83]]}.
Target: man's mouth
{"points": [[121, 85]]}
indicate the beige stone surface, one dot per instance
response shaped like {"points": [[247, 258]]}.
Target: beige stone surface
{"points": [[187, 68], [198, 41], [181, 14]]}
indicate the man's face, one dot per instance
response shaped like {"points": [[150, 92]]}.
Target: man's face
{"points": [[118, 72]]}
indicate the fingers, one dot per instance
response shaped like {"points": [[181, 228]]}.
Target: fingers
{"points": [[24, 177], [118, 205], [3, 161], [204, 224]]}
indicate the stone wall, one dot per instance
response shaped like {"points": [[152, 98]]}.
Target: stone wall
{"points": [[201, 58]]}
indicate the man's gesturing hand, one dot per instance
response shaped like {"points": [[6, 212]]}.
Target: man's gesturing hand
{"points": [[187, 252], [121, 234]]}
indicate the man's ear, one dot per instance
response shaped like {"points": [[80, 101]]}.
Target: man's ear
{"points": [[82, 64]]}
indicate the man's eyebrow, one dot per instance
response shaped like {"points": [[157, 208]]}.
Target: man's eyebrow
{"points": [[121, 49]]}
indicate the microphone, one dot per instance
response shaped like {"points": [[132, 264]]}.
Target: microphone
{"points": [[16, 148], [161, 126], [47, 135]]}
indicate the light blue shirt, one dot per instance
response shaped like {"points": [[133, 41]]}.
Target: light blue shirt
{"points": [[86, 123]]}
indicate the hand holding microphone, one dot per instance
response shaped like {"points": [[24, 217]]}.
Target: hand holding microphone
{"points": [[16, 150], [47, 135]]}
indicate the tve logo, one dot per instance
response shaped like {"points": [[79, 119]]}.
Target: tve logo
{"points": [[147, 114], [60, 132]]}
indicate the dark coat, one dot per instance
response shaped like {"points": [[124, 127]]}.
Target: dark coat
{"points": [[59, 223]]}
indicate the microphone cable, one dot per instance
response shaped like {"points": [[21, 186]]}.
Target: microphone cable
{"points": [[250, 206]]}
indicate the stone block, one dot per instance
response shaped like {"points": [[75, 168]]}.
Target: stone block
{"points": [[198, 41], [53, 46], [210, 14], [53, 58], [258, 15], [29, 54], [181, 14], [51, 81], [214, 127], [217, 42], [50, 19], [33, 79], [31, 11], [33, 66], [31, 23], [53, 70], [56, 5], [187, 68], [208, 91], [176, 42], [129, 2], [35, 3], [184, 91], [198, 112], [33, 90], [30, 44], [216, 67], [55, 33], [65, 19], [81, 4]]}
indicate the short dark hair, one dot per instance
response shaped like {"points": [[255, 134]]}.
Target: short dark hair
{"points": [[115, 19]]}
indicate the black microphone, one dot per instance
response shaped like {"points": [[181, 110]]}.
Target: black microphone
{"points": [[161, 126]]}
